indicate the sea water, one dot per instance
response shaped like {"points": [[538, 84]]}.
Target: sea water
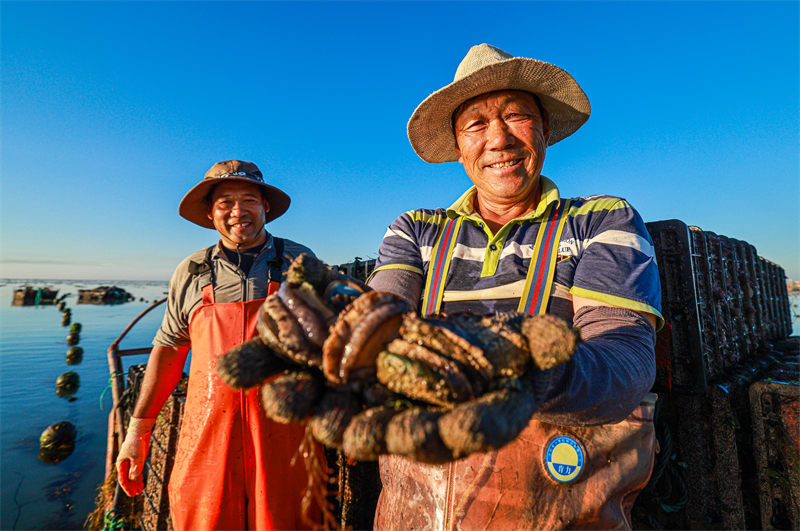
{"points": [[37, 495]]}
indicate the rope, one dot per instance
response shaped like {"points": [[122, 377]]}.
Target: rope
{"points": [[110, 383], [666, 492], [113, 521]]}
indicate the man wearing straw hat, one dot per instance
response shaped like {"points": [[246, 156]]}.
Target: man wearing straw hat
{"points": [[233, 466], [512, 243]]}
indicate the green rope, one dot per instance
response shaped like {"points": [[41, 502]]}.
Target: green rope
{"points": [[113, 521], [110, 383]]}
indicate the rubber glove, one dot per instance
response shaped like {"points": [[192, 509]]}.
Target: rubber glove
{"points": [[132, 454]]}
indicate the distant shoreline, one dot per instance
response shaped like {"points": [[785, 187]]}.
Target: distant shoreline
{"points": [[78, 281]]}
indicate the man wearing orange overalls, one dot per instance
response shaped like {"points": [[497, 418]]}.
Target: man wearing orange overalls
{"points": [[233, 465]]}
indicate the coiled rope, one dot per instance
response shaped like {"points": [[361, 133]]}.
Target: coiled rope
{"points": [[110, 383], [113, 521]]}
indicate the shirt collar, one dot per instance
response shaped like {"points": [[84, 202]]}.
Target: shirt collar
{"points": [[267, 247], [464, 205]]}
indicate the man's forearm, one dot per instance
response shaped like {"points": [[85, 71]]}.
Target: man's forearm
{"points": [[164, 370]]}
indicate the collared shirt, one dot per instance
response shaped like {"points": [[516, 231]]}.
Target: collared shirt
{"points": [[231, 285], [605, 253]]}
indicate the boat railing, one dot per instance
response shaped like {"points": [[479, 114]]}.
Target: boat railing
{"points": [[116, 418]]}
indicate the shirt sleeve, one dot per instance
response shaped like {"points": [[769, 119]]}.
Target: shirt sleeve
{"points": [[293, 249], [405, 284], [174, 330], [617, 263], [400, 247]]}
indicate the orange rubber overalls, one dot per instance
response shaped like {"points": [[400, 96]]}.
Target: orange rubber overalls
{"points": [[232, 468]]}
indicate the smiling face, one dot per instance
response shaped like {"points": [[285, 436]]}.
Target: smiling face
{"points": [[238, 210], [501, 138]]}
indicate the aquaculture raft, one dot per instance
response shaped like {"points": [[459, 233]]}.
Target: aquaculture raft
{"points": [[103, 295], [30, 296]]}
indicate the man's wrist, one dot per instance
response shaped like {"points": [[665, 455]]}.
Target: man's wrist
{"points": [[140, 426]]}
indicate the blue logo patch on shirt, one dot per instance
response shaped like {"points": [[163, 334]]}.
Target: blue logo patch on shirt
{"points": [[563, 458]]}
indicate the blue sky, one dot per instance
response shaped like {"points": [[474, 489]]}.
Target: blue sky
{"points": [[111, 111]]}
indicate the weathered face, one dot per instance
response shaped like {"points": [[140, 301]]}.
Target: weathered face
{"points": [[237, 210], [501, 140]]}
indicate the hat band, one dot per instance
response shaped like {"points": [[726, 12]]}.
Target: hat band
{"points": [[237, 174]]}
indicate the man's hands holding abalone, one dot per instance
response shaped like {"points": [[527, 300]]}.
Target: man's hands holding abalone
{"points": [[372, 378]]}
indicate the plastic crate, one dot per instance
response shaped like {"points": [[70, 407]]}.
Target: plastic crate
{"points": [[722, 302], [690, 355], [708, 428], [775, 410], [163, 446]]}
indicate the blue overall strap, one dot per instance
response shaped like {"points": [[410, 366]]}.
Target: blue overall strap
{"points": [[439, 266], [542, 269]]}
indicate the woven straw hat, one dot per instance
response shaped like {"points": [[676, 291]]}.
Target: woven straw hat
{"points": [[489, 69], [194, 205]]}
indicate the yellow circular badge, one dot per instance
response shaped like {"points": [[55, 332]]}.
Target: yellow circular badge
{"points": [[563, 458]]}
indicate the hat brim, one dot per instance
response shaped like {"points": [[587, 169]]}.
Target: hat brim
{"points": [[430, 128], [194, 207]]}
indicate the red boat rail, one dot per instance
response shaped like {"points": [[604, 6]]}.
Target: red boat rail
{"points": [[116, 431]]}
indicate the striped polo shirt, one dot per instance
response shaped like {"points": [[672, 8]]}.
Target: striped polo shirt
{"points": [[605, 253]]}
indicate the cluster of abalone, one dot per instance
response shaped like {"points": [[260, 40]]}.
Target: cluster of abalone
{"points": [[372, 377]]}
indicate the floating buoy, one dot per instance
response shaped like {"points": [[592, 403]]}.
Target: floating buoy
{"points": [[65, 320], [73, 338], [76, 327], [67, 384], [61, 306], [74, 356], [57, 442]]}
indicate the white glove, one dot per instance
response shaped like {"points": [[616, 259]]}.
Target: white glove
{"points": [[132, 454]]}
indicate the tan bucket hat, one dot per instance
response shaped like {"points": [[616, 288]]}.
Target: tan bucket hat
{"points": [[489, 69], [194, 205]]}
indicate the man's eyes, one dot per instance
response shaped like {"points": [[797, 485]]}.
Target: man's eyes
{"points": [[515, 116], [479, 124], [228, 203], [474, 125]]}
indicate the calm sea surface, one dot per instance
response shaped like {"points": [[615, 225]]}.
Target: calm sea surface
{"points": [[36, 495]]}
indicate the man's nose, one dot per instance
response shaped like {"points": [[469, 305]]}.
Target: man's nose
{"points": [[498, 135]]}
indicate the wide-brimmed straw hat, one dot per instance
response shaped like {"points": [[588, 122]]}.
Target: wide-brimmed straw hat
{"points": [[489, 69], [194, 205]]}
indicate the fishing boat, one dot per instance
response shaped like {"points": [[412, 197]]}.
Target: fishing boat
{"points": [[726, 420]]}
